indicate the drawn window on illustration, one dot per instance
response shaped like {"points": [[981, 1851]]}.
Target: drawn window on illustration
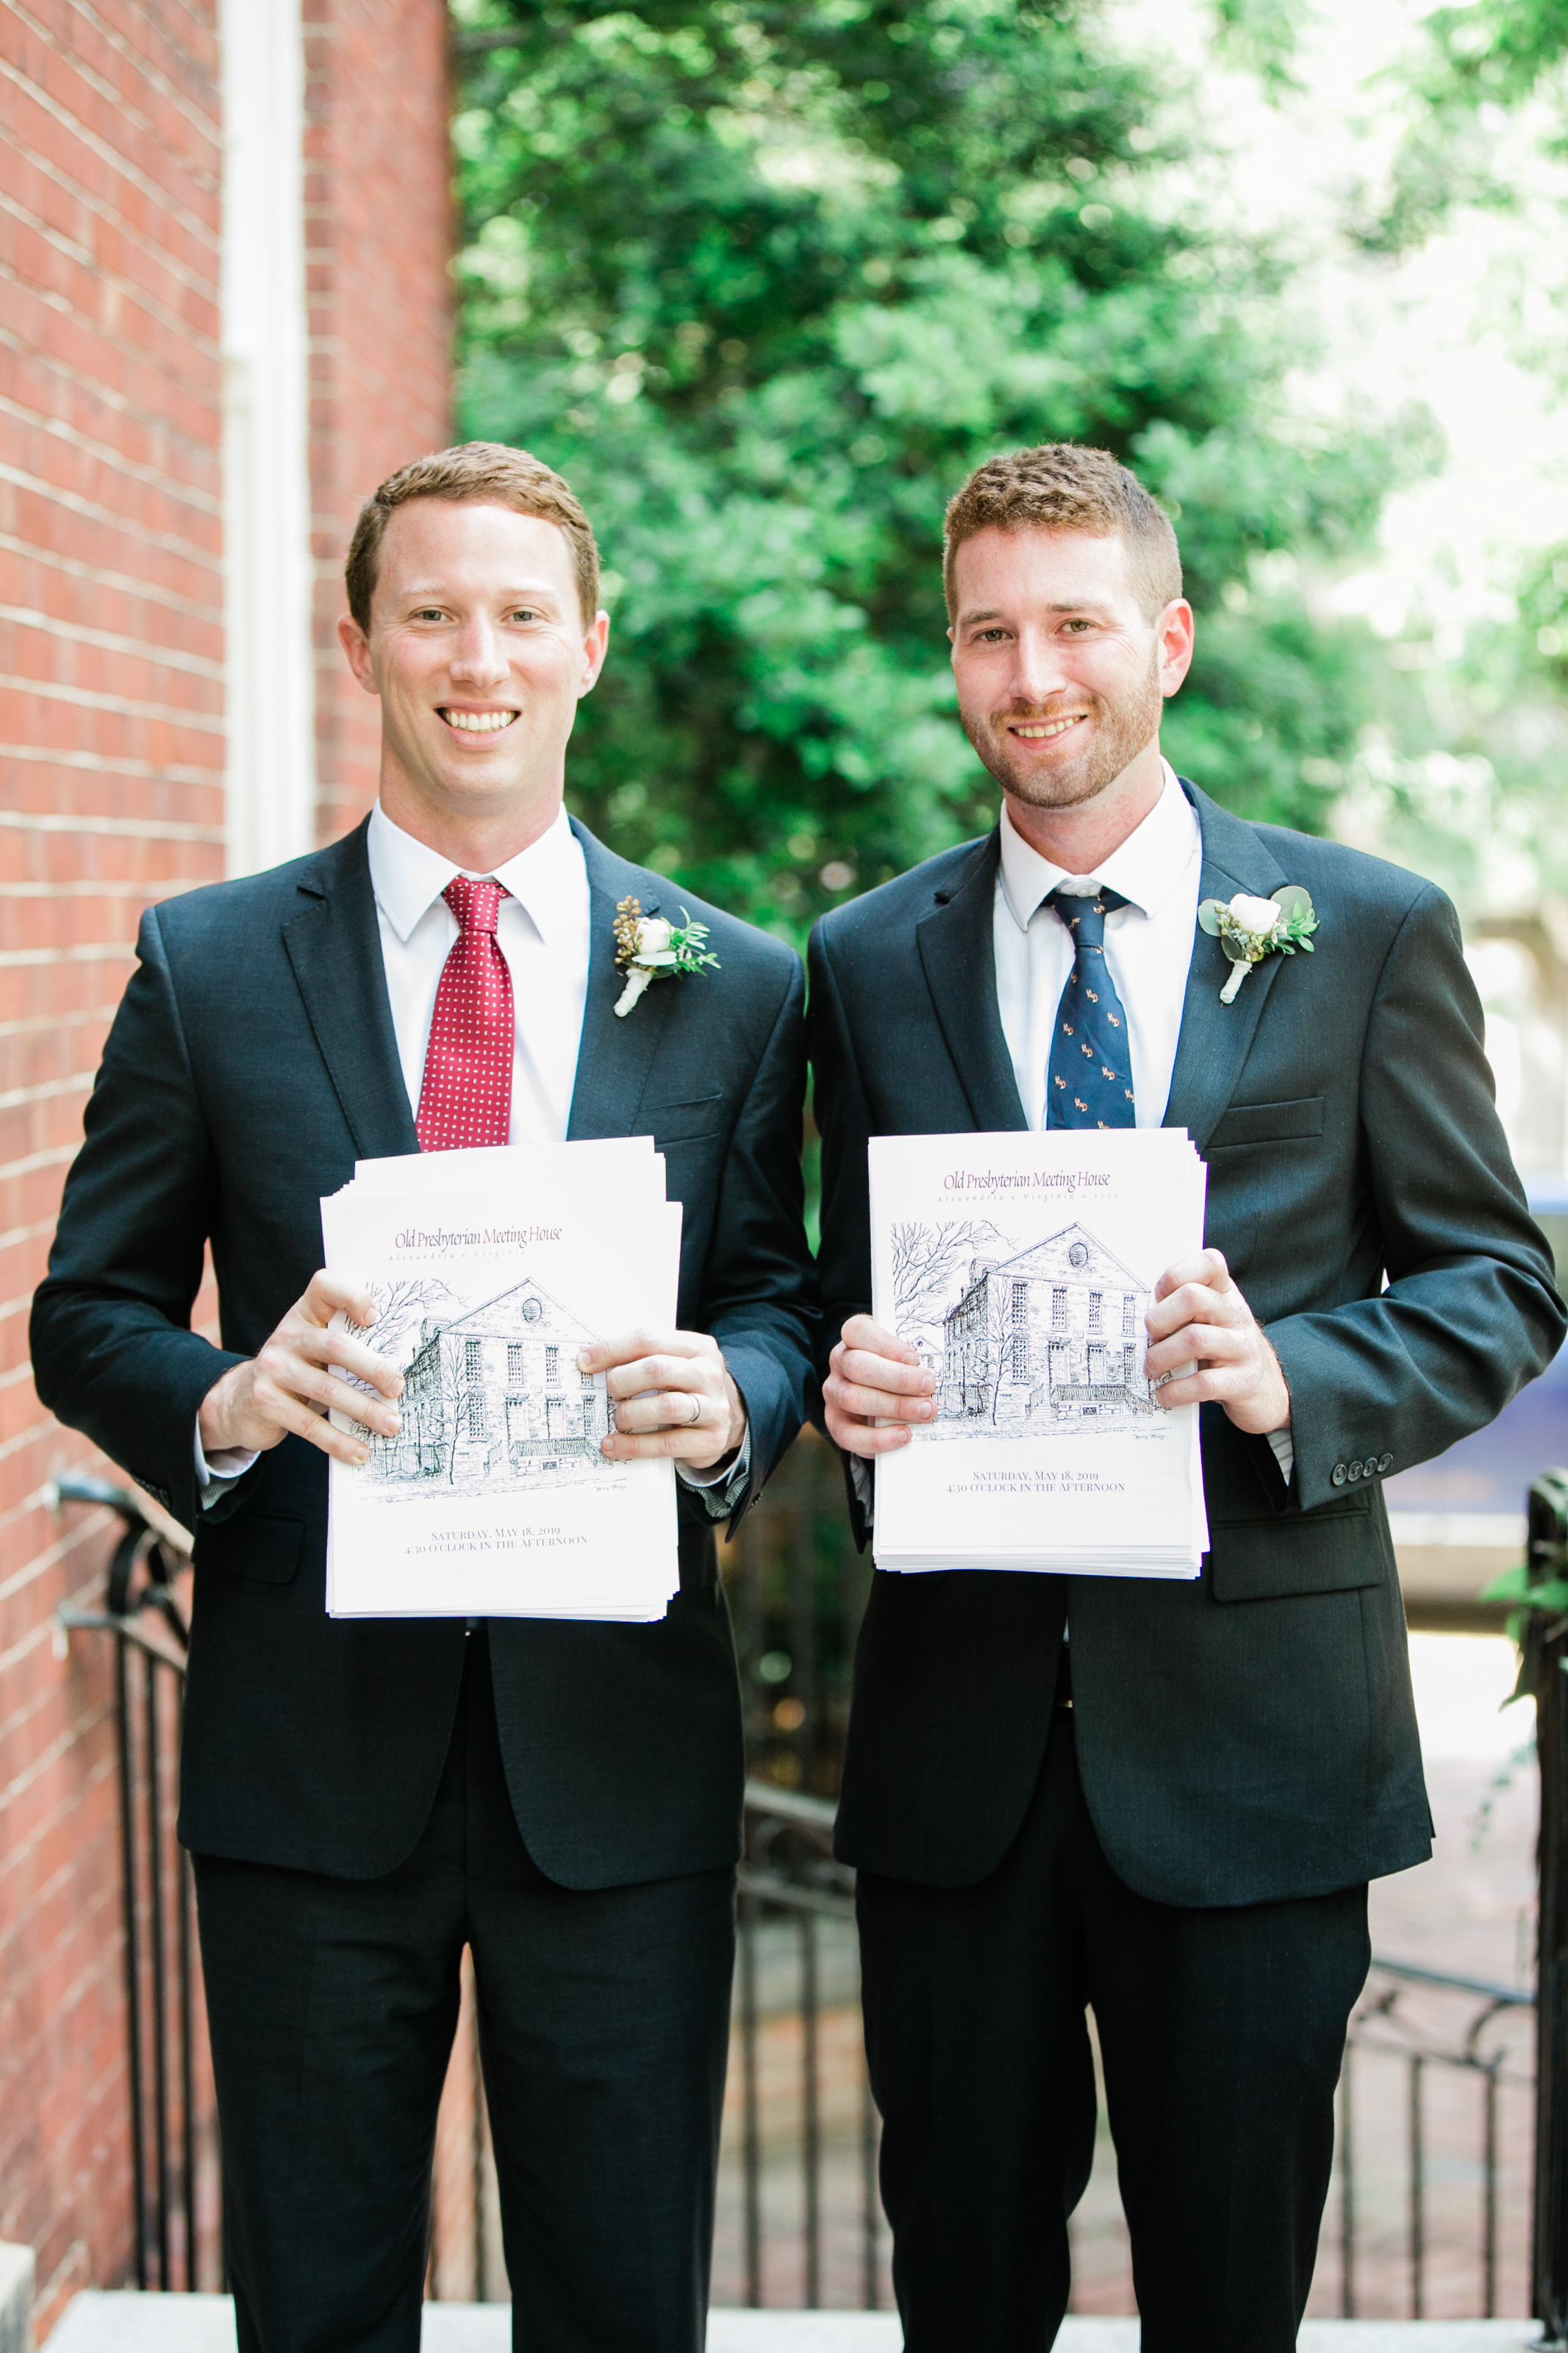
{"points": [[1128, 1316], [477, 1414], [553, 1369], [1096, 1303], [516, 1371], [1060, 1307]]}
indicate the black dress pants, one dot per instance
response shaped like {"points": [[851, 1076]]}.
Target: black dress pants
{"points": [[1221, 2034], [604, 2027]]}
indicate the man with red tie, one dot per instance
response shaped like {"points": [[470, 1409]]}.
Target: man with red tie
{"points": [[363, 1799]]}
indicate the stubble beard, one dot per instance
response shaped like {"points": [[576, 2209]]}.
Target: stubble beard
{"points": [[1117, 733]]}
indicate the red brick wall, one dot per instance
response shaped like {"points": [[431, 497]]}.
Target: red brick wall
{"points": [[112, 796], [111, 793], [378, 238]]}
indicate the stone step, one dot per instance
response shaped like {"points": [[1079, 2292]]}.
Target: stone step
{"points": [[16, 2298], [97, 2322]]}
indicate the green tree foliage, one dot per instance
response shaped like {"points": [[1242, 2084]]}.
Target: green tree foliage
{"points": [[765, 278], [1496, 50]]}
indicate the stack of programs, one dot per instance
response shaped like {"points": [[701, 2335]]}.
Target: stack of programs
{"points": [[1020, 1268], [490, 1269]]}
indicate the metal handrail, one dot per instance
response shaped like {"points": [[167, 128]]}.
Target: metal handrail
{"points": [[1505, 1997], [161, 2028], [791, 1806]]}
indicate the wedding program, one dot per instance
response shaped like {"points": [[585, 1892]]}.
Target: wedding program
{"points": [[490, 1268], [1020, 1268]]}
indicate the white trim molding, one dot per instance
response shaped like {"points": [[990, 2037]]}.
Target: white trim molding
{"points": [[271, 777]]}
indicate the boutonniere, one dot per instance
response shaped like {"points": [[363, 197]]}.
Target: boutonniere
{"points": [[650, 948], [1249, 928]]}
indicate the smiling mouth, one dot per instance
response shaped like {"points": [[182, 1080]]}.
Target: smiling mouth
{"points": [[478, 722], [1040, 731]]}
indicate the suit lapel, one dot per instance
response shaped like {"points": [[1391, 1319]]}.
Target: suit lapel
{"points": [[334, 946], [958, 952], [1215, 1038], [614, 1057]]}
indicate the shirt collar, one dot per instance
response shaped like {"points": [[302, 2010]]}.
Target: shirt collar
{"points": [[1147, 868], [408, 878]]}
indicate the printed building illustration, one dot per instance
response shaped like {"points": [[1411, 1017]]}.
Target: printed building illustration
{"points": [[487, 1392], [1053, 1335]]}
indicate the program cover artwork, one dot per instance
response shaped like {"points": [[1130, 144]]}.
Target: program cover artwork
{"points": [[494, 1497], [493, 1402], [1020, 1268]]}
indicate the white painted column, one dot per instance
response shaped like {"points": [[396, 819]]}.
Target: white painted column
{"points": [[271, 766]]}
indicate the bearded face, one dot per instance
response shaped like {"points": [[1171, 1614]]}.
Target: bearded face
{"points": [[1061, 673], [1092, 737]]}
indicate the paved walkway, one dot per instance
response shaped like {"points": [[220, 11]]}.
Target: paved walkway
{"points": [[204, 2324]]}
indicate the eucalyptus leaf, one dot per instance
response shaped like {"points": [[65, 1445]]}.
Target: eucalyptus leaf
{"points": [[1209, 913], [1293, 899]]}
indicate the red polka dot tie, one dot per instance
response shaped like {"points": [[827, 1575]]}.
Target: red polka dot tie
{"points": [[466, 1097]]}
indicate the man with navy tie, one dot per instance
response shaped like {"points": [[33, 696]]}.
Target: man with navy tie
{"points": [[364, 1798], [1179, 1829]]}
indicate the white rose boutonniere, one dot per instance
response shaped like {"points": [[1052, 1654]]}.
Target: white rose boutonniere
{"points": [[647, 948], [1249, 929]]}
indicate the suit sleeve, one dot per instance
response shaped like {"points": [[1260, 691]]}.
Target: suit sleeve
{"points": [[844, 1123], [759, 1286], [113, 1353], [1470, 1313]]}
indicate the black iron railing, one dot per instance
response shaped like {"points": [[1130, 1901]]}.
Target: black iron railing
{"points": [[1430, 2062], [789, 1880], [1546, 1633], [165, 2042]]}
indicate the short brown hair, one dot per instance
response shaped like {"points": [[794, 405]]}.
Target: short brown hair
{"points": [[1059, 487], [473, 469]]}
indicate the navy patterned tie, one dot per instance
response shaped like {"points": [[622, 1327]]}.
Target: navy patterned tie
{"points": [[1090, 1083]]}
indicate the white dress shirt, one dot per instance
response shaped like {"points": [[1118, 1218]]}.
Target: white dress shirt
{"points": [[542, 931]]}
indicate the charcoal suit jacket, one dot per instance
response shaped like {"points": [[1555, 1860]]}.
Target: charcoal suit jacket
{"points": [[252, 1060], [1249, 1736]]}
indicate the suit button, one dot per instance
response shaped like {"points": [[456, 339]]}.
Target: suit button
{"points": [[1339, 1474], [1385, 1462], [1369, 1468], [1352, 1471]]}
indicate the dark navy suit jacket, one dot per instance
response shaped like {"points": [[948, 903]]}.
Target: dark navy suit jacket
{"points": [[252, 1060], [1250, 1737]]}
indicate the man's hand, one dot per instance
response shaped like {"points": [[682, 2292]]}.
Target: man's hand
{"points": [[286, 1387], [1200, 1316], [670, 1394], [875, 1377]]}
